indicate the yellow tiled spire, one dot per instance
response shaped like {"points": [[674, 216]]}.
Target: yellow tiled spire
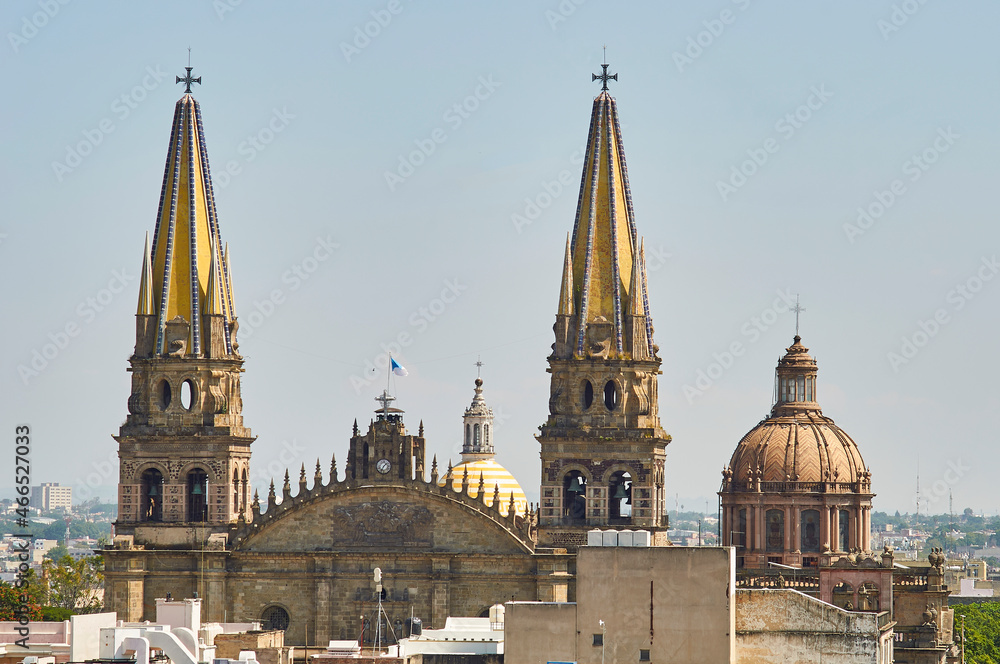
{"points": [[606, 268], [566, 290], [186, 242], [145, 306]]}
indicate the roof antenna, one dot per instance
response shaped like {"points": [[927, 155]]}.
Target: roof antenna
{"points": [[189, 56]]}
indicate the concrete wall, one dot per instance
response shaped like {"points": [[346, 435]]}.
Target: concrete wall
{"points": [[787, 626], [86, 630], [539, 632], [675, 602]]}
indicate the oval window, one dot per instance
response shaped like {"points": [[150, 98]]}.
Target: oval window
{"points": [[610, 395], [588, 394], [164, 395], [187, 394]]}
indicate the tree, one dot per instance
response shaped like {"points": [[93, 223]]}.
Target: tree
{"points": [[11, 605], [56, 553], [75, 585], [982, 631]]}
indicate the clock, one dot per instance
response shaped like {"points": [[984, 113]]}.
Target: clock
{"points": [[383, 466]]}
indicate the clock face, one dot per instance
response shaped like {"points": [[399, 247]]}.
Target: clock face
{"points": [[383, 466]]}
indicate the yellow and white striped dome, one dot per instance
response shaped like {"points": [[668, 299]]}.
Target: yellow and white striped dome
{"points": [[494, 475]]}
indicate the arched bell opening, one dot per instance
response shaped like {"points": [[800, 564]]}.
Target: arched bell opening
{"points": [[620, 497], [574, 497]]}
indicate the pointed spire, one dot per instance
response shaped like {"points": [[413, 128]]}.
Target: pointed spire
{"points": [[318, 476], [355, 426], [465, 479], [271, 498], [420, 429], [213, 303], [635, 305], [481, 488], [449, 476], [510, 505], [333, 464], [286, 489], [566, 289], [255, 506], [145, 307], [186, 243], [434, 470], [496, 497], [604, 246]]}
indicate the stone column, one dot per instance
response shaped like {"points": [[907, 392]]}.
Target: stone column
{"points": [[866, 534], [796, 524]]}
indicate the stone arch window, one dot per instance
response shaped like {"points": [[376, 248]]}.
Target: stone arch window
{"points": [[486, 434], [574, 497], [620, 497], [364, 466], [274, 617], [774, 536], [236, 492], [739, 538], [151, 482], [810, 531], [844, 534], [475, 435], [197, 495], [610, 395], [468, 434], [843, 596], [588, 394], [868, 597]]}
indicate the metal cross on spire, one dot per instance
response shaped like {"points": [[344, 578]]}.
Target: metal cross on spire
{"points": [[798, 310], [188, 78], [479, 366], [385, 400], [604, 76]]}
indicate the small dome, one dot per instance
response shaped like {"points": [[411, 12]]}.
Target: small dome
{"points": [[493, 475]]}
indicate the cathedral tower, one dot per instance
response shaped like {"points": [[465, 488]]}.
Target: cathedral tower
{"points": [[386, 452], [183, 449], [602, 448]]}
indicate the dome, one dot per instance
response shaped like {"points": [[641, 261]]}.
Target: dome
{"points": [[493, 475], [807, 448], [796, 445]]}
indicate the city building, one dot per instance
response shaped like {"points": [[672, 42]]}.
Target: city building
{"points": [[50, 496]]}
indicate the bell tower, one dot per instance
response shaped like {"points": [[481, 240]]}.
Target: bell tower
{"points": [[602, 448], [386, 452], [184, 452]]}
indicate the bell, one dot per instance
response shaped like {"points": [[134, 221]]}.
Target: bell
{"points": [[620, 492], [153, 490], [575, 486], [197, 491]]}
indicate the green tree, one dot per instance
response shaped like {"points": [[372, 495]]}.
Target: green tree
{"points": [[75, 585], [56, 552], [982, 631]]}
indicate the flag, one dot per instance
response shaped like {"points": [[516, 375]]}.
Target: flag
{"points": [[397, 368]]}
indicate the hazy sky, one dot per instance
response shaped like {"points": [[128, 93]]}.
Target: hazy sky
{"points": [[393, 172]]}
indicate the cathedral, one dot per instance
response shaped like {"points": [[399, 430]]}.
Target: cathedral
{"points": [[449, 541], [455, 540]]}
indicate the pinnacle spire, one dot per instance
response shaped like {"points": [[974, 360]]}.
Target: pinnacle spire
{"points": [[145, 307], [566, 288]]}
